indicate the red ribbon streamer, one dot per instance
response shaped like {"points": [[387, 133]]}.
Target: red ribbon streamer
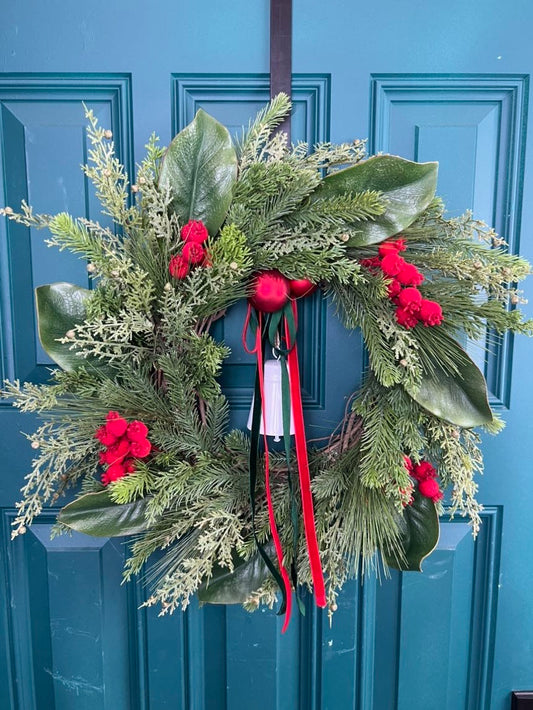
{"points": [[303, 467], [271, 516]]}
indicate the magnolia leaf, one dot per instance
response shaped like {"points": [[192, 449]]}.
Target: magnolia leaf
{"points": [[419, 535], [461, 399], [60, 306], [407, 188], [226, 587], [200, 167], [95, 514]]}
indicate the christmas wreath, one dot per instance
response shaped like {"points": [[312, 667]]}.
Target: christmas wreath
{"points": [[136, 412]]}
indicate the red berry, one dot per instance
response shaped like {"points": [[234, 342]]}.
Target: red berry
{"points": [[423, 470], [114, 472], [405, 317], [392, 264], [409, 275], [178, 267], [374, 263], [194, 231], [140, 449], [104, 436], [193, 252], [129, 466], [391, 247], [115, 424], [429, 488], [136, 430], [118, 451], [393, 289], [430, 313], [408, 464], [410, 299]]}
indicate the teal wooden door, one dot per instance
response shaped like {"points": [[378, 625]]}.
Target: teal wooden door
{"points": [[429, 81]]}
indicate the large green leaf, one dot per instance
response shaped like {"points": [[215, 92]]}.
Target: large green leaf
{"points": [[95, 514], [235, 587], [419, 532], [407, 189], [461, 399], [200, 167], [60, 306]]}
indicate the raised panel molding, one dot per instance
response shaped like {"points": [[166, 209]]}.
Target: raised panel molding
{"points": [[71, 626], [42, 145], [234, 99], [475, 126], [435, 630]]}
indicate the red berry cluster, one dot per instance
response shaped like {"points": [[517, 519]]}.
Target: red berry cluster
{"points": [[426, 475], [193, 253], [411, 308], [124, 442]]}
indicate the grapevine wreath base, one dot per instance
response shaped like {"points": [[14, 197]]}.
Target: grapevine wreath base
{"points": [[135, 413]]}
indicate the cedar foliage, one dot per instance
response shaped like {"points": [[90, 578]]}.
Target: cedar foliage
{"points": [[160, 362]]}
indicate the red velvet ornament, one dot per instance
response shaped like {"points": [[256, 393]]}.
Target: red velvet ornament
{"points": [[301, 287], [270, 291]]}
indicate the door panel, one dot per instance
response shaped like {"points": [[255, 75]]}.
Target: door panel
{"points": [[475, 127], [458, 636], [42, 145]]}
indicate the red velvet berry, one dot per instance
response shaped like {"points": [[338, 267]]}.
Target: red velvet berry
{"points": [[115, 424], [394, 289], [301, 287], [193, 252], [374, 263], [179, 267], [409, 275], [391, 247], [129, 466], [104, 436], [405, 317], [136, 431], [118, 451], [194, 231], [408, 464], [114, 472], [270, 291], [410, 299], [392, 264], [429, 488], [423, 470], [140, 449], [430, 313]]}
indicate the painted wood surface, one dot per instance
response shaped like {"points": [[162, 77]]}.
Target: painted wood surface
{"points": [[445, 81]]}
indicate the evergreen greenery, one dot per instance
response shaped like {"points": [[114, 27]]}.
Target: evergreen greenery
{"points": [[146, 349]]}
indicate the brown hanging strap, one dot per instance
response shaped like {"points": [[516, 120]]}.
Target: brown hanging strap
{"points": [[281, 53]]}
